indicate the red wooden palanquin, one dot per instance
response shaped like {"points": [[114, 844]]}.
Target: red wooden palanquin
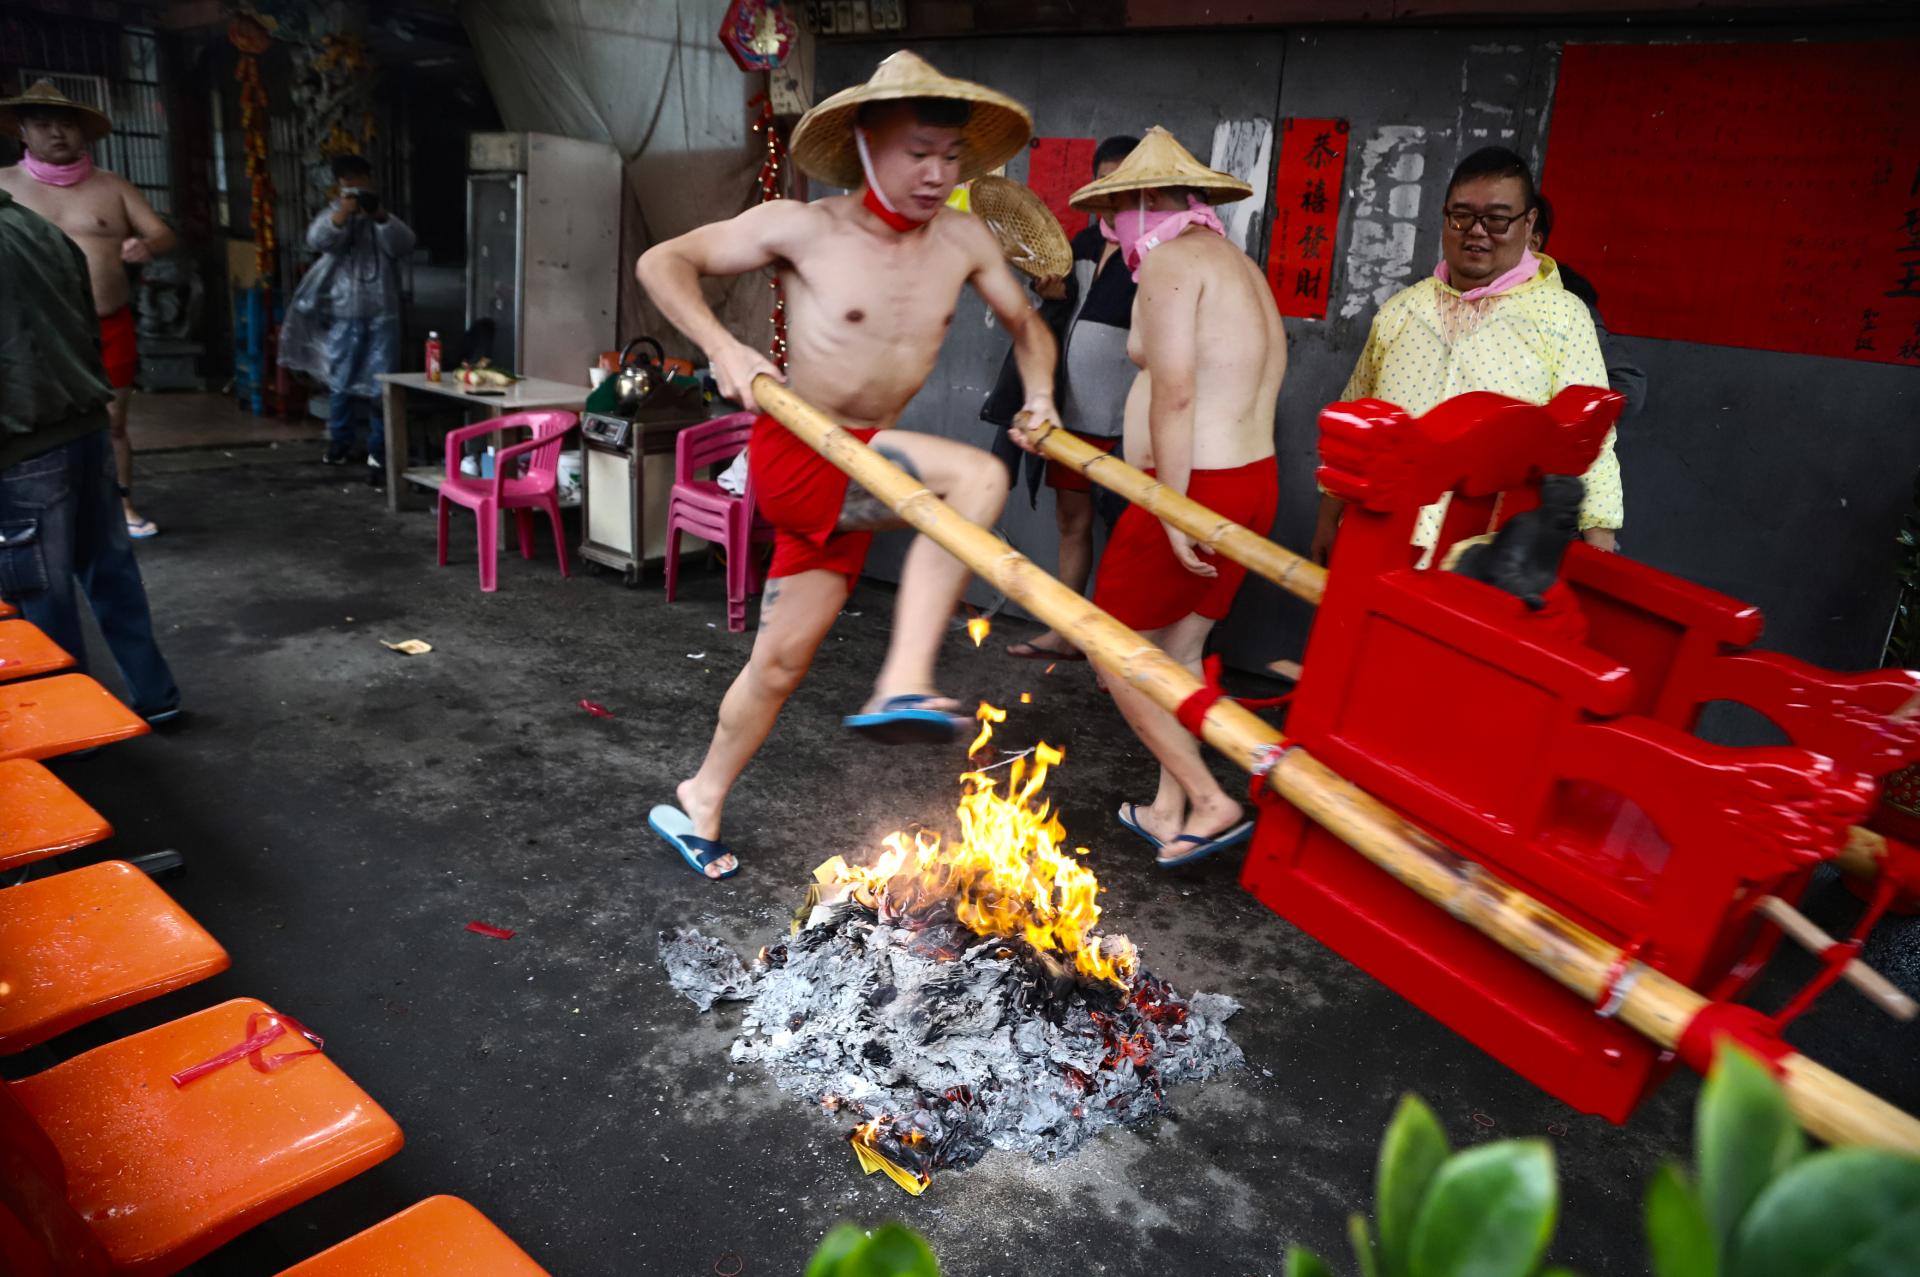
{"points": [[1566, 765]]}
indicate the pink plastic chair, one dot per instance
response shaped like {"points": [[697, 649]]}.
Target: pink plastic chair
{"points": [[517, 485], [704, 508]]}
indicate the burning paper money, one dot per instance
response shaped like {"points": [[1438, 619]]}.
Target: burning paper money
{"points": [[958, 995]]}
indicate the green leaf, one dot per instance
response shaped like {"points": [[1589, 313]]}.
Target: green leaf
{"points": [[1489, 1213], [1302, 1262], [1848, 1212], [1743, 1136], [892, 1250], [842, 1241], [1362, 1242], [1678, 1235], [1413, 1150]]}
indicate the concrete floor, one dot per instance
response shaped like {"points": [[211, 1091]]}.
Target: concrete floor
{"points": [[345, 812]]}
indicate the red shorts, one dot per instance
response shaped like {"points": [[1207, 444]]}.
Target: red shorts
{"points": [[1143, 585], [1065, 478], [801, 494], [119, 348]]}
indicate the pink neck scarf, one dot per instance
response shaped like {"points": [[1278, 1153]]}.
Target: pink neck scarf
{"points": [[1528, 267], [1148, 230], [58, 174]]}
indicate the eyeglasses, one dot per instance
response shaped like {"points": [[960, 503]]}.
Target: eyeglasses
{"points": [[1462, 220]]}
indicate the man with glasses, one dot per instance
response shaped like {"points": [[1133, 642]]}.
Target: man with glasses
{"points": [[1493, 316]]}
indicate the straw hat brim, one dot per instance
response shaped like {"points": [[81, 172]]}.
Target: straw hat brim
{"points": [[94, 123], [1159, 161], [1030, 236], [996, 130]]}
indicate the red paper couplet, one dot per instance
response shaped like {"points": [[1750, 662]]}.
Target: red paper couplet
{"points": [[1301, 263], [1758, 195]]}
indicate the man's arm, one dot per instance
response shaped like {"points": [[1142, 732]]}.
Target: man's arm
{"points": [[1034, 350], [151, 236], [327, 230], [671, 273], [1359, 386], [395, 237], [1623, 375], [1167, 317], [1603, 511]]}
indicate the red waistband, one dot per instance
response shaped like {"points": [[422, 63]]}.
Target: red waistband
{"points": [[1265, 463]]}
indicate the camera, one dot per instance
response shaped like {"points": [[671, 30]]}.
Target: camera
{"points": [[368, 200]]}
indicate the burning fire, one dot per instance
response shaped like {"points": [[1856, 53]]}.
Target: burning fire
{"points": [[977, 629], [1008, 874]]}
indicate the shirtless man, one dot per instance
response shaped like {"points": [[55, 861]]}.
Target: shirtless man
{"points": [[1207, 339], [112, 223], [871, 281]]}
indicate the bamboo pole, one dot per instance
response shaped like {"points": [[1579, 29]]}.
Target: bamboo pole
{"points": [[1806, 933], [1294, 573], [1214, 531], [1655, 1005]]}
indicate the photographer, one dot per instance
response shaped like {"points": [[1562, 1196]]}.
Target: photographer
{"points": [[361, 244]]}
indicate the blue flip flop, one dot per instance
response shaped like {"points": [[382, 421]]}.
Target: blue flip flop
{"points": [[1204, 846], [899, 721], [1129, 818], [676, 827]]}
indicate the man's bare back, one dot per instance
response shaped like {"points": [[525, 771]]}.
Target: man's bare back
{"points": [[99, 215], [1240, 349]]}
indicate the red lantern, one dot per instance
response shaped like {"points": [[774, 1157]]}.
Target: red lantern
{"points": [[758, 34]]}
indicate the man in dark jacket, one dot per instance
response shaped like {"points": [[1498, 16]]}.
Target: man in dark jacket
{"points": [[60, 518]]}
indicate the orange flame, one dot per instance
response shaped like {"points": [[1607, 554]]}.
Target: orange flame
{"points": [[1008, 874], [977, 629]]}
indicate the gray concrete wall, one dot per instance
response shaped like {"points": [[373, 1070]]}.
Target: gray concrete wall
{"points": [[1780, 479]]}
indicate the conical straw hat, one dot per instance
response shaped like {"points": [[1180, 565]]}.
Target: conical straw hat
{"points": [[1030, 236], [1160, 161], [823, 144], [93, 123]]}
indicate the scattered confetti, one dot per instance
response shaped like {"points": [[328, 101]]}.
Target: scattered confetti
{"points": [[596, 709], [1026, 698], [696, 656], [1051, 668], [412, 647], [495, 933]]}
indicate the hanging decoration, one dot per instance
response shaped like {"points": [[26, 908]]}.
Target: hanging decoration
{"points": [[252, 39], [758, 34], [772, 169]]}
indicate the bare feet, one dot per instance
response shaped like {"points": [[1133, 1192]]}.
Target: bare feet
{"points": [[1048, 646], [705, 814], [1205, 822]]}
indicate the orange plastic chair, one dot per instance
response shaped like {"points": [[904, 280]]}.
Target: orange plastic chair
{"points": [[40, 816], [439, 1237], [158, 1175], [7, 609], [80, 945], [27, 652], [43, 717]]}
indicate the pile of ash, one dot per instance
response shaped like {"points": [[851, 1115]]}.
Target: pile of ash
{"points": [[951, 1043]]}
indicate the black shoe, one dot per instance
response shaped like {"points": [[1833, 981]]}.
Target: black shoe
{"points": [[336, 455]]}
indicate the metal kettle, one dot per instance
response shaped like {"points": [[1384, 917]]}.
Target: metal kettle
{"points": [[641, 376]]}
